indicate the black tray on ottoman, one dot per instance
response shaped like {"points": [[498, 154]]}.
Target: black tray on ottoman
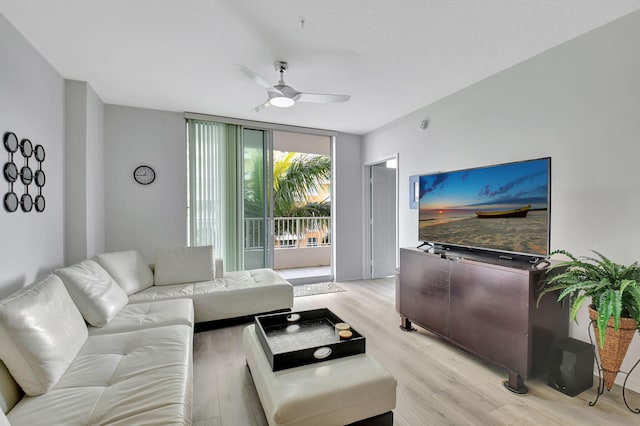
{"points": [[292, 339]]}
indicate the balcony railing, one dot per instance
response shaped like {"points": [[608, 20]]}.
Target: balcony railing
{"points": [[289, 232]]}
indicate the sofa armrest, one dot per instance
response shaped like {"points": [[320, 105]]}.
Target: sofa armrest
{"points": [[3, 419], [10, 392]]}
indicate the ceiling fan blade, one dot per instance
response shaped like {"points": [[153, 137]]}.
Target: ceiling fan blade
{"points": [[257, 78], [322, 97], [262, 106]]}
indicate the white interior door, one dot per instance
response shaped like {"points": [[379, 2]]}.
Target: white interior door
{"points": [[383, 220]]}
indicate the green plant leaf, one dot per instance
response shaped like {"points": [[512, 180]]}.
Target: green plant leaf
{"points": [[604, 313], [616, 308], [575, 307], [577, 288], [634, 293]]}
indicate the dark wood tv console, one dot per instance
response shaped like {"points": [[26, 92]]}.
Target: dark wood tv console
{"points": [[485, 305]]}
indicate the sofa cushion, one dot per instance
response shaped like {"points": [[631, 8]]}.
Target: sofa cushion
{"points": [[138, 316], [142, 377], [163, 292], [41, 331], [175, 265], [98, 297], [128, 269], [241, 293]]}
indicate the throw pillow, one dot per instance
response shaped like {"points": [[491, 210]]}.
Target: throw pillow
{"points": [[128, 269], [41, 332], [98, 297], [176, 265]]}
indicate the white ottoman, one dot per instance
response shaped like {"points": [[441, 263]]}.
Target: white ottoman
{"points": [[336, 392]]}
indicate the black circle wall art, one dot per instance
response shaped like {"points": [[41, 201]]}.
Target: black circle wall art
{"points": [[26, 202], [10, 171], [26, 175], [11, 201], [18, 172], [26, 148], [11, 142], [40, 178], [39, 203], [39, 152]]}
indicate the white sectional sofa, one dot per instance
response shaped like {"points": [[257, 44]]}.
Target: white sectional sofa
{"points": [[187, 272], [107, 341]]}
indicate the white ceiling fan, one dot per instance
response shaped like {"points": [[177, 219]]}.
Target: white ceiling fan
{"points": [[281, 95]]}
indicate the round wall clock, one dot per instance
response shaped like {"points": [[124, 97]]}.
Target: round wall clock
{"points": [[144, 175]]}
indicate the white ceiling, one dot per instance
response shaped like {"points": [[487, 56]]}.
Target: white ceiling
{"points": [[392, 57]]}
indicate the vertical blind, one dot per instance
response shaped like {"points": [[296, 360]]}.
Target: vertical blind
{"points": [[213, 199]]}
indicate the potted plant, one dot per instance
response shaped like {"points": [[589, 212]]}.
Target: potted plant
{"points": [[614, 290]]}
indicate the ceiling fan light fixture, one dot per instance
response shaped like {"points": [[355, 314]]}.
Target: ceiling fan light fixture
{"points": [[281, 101], [283, 96]]}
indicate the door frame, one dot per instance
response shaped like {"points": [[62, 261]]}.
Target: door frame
{"points": [[332, 256], [367, 260]]}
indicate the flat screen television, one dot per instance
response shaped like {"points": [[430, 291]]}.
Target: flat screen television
{"points": [[503, 208]]}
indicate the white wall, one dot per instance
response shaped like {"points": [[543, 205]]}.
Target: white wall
{"points": [[301, 142], [348, 207], [145, 217], [289, 258], [75, 172], [32, 106], [578, 103], [95, 174], [84, 176]]}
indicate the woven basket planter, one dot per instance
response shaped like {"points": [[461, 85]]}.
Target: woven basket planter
{"points": [[616, 345]]}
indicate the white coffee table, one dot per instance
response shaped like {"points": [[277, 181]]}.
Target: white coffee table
{"points": [[350, 390]]}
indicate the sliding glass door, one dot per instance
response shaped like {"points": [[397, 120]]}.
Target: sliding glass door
{"points": [[261, 197]]}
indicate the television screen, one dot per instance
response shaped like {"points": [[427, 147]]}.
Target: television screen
{"points": [[505, 207]]}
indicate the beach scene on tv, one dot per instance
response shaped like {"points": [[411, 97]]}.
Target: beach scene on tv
{"points": [[502, 207]]}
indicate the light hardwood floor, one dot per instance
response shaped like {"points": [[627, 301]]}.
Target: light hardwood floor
{"points": [[438, 384]]}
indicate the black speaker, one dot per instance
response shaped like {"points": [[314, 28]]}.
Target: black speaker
{"points": [[571, 367]]}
